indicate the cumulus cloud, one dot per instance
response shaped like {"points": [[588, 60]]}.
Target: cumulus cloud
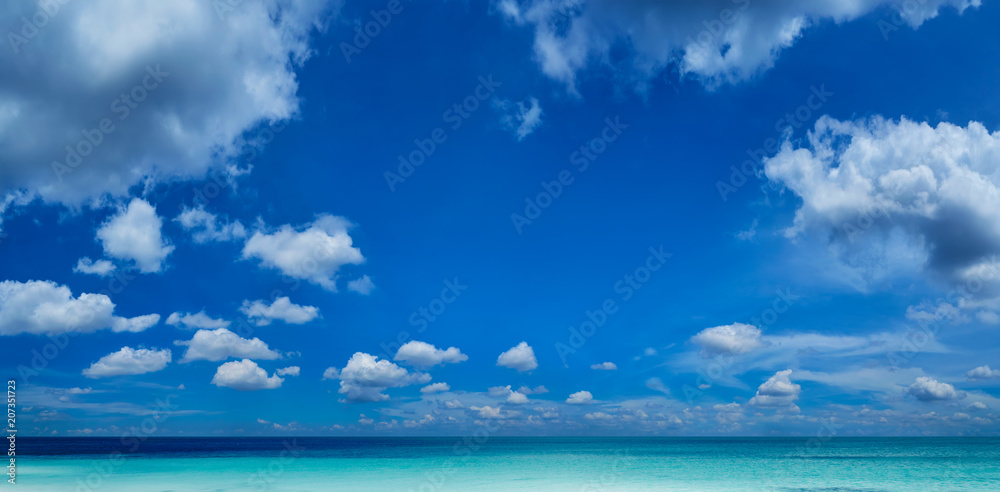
{"points": [[221, 344], [157, 104], [134, 234], [716, 41], [520, 357], [314, 252], [537, 390], [245, 375], [421, 354], [365, 377], [281, 309], [604, 366], [205, 226], [599, 416], [580, 398], [101, 268], [127, 362], [487, 412], [894, 198], [46, 308], [976, 405], [289, 371], [929, 389], [196, 320], [520, 118], [983, 372], [362, 285], [777, 391], [737, 338], [517, 398], [435, 388]]}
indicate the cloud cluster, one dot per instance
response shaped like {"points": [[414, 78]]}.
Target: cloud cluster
{"points": [[157, 104], [46, 308], [128, 362], [365, 377], [207, 227], [716, 41], [894, 198]]}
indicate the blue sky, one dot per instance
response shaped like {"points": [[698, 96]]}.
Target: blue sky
{"points": [[246, 210]]}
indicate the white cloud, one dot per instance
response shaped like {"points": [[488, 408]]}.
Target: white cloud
{"points": [[421, 354], [221, 344], [487, 412], [289, 371], [976, 405], [604, 366], [737, 338], [101, 268], [127, 362], [435, 388], [929, 389], [46, 308], [281, 309], [598, 416], [716, 41], [314, 252], [363, 285], [365, 377], [891, 199], [245, 375], [517, 398], [520, 118], [196, 320], [580, 398], [983, 372], [134, 234], [173, 108], [777, 391], [520, 357], [207, 227]]}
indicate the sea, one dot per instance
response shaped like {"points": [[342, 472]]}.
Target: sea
{"points": [[490, 463]]}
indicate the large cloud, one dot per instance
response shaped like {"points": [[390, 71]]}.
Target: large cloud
{"points": [[314, 252], [930, 389], [714, 40], [128, 361], [365, 377], [46, 308], [162, 90], [221, 344], [897, 197]]}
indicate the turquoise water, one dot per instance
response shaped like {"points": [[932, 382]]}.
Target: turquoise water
{"points": [[494, 463]]}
